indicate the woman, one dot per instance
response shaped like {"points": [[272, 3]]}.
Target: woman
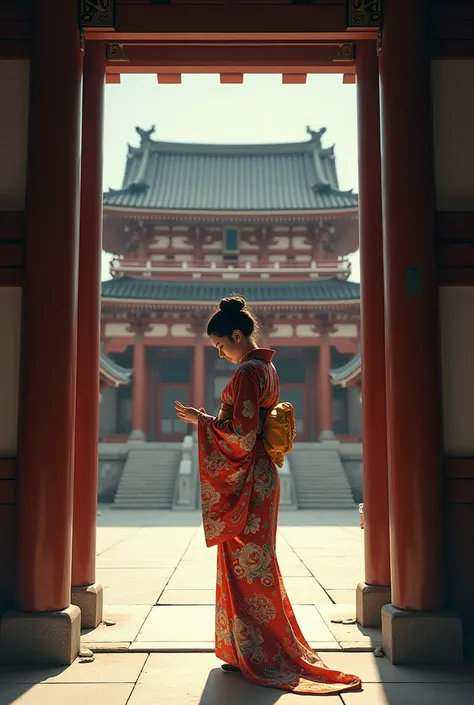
{"points": [[256, 629]]}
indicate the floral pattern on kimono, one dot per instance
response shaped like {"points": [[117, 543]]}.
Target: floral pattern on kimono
{"points": [[256, 628]]}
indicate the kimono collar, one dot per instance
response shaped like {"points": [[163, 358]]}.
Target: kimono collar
{"points": [[264, 354]]}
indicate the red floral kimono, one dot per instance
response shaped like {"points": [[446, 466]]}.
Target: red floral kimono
{"points": [[256, 628]]}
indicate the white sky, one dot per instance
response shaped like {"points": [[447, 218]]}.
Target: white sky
{"points": [[259, 110]]}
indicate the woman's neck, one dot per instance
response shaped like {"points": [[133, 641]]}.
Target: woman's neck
{"points": [[247, 347]]}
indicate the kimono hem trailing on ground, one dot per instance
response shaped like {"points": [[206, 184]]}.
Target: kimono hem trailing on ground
{"points": [[256, 628]]}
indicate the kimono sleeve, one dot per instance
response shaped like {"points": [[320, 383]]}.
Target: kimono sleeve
{"points": [[241, 430]]}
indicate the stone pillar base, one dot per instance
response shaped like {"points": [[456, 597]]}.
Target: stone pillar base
{"points": [[327, 436], [90, 600], [137, 436], [40, 638], [369, 602], [424, 638]]}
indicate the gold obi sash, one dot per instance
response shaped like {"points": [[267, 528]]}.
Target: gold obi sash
{"points": [[276, 428]]}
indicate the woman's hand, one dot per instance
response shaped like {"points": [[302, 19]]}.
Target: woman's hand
{"points": [[188, 414]]}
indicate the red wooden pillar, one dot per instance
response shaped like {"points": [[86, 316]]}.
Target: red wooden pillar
{"points": [[88, 328], [199, 373], [325, 390], [412, 330], [138, 389], [374, 426], [47, 395]]}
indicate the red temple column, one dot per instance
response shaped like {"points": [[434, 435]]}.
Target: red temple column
{"points": [[47, 372], [138, 389], [412, 345], [199, 373], [326, 431], [86, 594], [375, 592]]}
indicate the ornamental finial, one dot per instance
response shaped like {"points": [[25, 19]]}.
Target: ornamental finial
{"points": [[145, 135], [316, 136]]}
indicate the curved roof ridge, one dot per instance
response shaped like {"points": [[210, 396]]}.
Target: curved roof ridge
{"points": [[225, 148]]}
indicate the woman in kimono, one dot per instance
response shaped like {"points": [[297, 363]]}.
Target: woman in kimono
{"points": [[256, 629]]}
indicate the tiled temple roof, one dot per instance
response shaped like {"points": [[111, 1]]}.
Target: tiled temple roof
{"points": [[113, 372], [348, 372], [139, 288], [170, 176]]}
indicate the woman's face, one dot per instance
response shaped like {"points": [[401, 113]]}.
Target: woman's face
{"points": [[231, 350]]}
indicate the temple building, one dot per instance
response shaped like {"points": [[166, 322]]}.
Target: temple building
{"points": [[414, 68], [193, 223]]}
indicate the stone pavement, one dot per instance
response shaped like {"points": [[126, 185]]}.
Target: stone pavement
{"points": [[159, 580]]}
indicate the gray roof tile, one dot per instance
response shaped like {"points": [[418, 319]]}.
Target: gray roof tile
{"points": [[349, 369], [111, 369], [255, 292], [200, 177]]}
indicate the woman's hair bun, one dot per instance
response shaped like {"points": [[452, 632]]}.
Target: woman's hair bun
{"points": [[232, 304]]}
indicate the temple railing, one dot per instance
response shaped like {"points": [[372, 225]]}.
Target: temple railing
{"points": [[339, 268], [185, 487]]}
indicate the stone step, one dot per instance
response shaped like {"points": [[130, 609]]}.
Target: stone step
{"points": [[319, 478], [149, 478]]}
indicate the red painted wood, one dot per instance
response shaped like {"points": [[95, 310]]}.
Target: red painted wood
{"points": [[7, 491], [459, 491], [115, 439], [8, 548], [294, 78], [454, 225], [8, 468], [374, 420], [88, 324], [199, 375], [451, 254], [139, 386], [459, 532], [452, 276], [231, 78], [12, 225], [11, 254], [323, 21], [11, 277], [411, 295], [458, 468], [169, 78], [324, 394], [231, 57], [45, 450]]}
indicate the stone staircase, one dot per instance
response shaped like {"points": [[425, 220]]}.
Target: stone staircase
{"points": [[149, 476], [319, 478]]}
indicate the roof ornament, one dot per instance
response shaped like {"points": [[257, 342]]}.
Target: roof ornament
{"points": [[145, 135], [316, 136]]}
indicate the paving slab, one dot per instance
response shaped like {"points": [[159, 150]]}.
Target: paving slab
{"points": [[106, 668], [312, 624], [62, 694], [305, 591], [106, 647], [348, 633], [133, 586], [188, 597], [291, 566], [379, 670], [343, 597], [128, 622], [179, 624], [183, 581], [110, 536], [197, 679], [411, 694]]}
